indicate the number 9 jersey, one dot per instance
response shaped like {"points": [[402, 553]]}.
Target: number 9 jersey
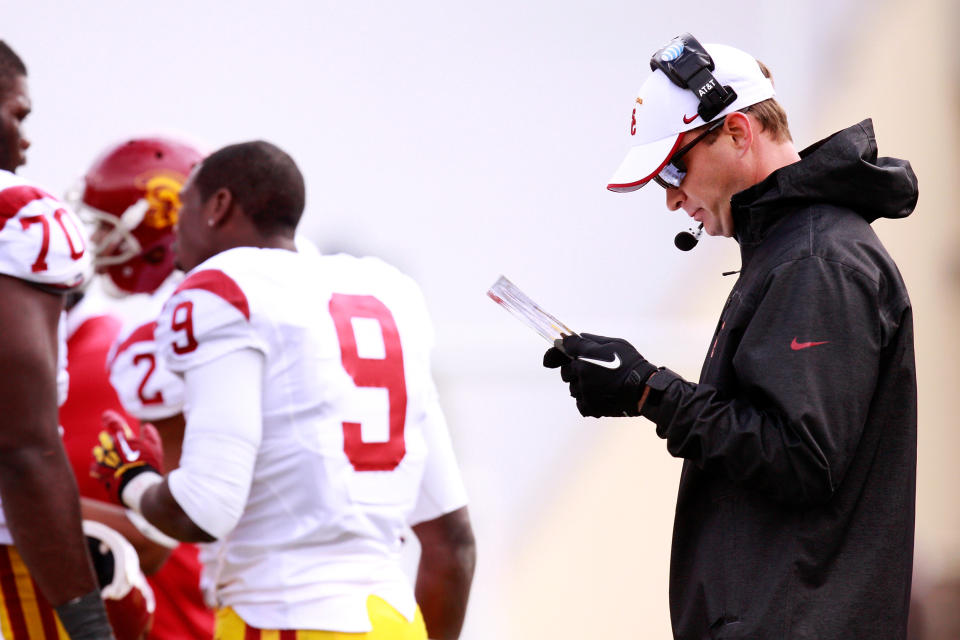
{"points": [[354, 445]]}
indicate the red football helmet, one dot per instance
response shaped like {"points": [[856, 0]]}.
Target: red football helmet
{"points": [[126, 594], [131, 194]]}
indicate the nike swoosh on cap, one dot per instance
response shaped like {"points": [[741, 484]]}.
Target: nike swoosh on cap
{"points": [[796, 346], [687, 120], [608, 364]]}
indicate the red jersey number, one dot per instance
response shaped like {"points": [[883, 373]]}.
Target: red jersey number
{"points": [[386, 373], [73, 236], [41, 262], [183, 321], [156, 398]]}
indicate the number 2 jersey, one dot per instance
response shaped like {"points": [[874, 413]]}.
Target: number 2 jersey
{"points": [[144, 385], [354, 444], [40, 242]]}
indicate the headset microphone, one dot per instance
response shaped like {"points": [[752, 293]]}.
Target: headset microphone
{"points": [[686, 240]]}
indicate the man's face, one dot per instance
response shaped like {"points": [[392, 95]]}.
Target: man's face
{"points": [[192, 230], [14, 108], [710, 182]]}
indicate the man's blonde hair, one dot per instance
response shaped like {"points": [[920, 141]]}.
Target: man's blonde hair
{"points": [[770, 114]]}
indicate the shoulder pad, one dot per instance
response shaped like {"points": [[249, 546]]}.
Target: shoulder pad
{"points": [[41, 240]]}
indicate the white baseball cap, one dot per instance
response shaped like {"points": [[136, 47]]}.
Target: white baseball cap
{"points": [[663, 111]]}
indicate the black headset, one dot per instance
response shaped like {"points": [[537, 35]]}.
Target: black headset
{"points": [[688, 65]]}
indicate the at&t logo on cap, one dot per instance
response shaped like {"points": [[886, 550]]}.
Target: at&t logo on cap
{"points": [[672, 52]]}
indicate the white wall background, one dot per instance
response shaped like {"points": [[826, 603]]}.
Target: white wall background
{"points": [[461, 141]]}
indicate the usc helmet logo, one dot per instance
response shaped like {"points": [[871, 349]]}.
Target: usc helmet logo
{"points": [[163, 199]]}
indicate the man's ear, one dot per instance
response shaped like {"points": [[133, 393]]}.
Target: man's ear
{"points": [[740, 129], [219, 207]]}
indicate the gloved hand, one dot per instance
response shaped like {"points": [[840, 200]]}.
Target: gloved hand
{"points": [[606, 375], [121, 455]]}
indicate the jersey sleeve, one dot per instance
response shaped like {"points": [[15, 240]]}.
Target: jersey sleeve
{"points": [[441, 489], [207, 317], [147, 389], [41, 240]]}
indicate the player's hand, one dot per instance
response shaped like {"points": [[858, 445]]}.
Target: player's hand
{"points": [[606, 375], [120, 456]]}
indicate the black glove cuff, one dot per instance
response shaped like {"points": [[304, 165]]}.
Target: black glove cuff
{"points": [[85, 618], [130, 474], [633, 388], [657, 383]]}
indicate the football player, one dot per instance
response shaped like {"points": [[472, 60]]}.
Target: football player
{"points": [[43, 558], [313, 431], [130, 196], [127, 595]]}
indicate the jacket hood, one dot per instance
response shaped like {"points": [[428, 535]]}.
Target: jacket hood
{"points": [[841, 170]]}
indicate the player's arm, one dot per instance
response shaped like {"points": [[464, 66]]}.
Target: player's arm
{"points": [[441, 522], [447, 559], [171, 432], [203, 499], [127, 379], [163, 511], [152, 545], [151, 554], [39, 493]]}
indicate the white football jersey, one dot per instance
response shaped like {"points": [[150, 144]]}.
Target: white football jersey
{"points": [[354, 443], [146, 388], [43, 242]]}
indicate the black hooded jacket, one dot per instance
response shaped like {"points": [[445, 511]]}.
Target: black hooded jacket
{"points": [[795, 513]]}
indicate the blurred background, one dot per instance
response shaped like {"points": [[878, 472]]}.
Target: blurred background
{"points": [[461, 141]]}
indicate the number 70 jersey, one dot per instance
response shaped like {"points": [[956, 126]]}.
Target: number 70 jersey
{"points": [[354, 444], [40, 239], [40, 242]]}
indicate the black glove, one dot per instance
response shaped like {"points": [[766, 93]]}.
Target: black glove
{"points": [[606, 375]]}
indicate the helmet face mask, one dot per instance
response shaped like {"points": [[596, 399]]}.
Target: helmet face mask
{"points": [[114, 242], [130, 197]]}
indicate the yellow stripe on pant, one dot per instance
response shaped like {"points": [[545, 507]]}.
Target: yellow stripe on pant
{"points": [[25, 613], [388, 624]]}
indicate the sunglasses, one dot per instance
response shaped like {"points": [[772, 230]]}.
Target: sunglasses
{"points": [[675, 171]]}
